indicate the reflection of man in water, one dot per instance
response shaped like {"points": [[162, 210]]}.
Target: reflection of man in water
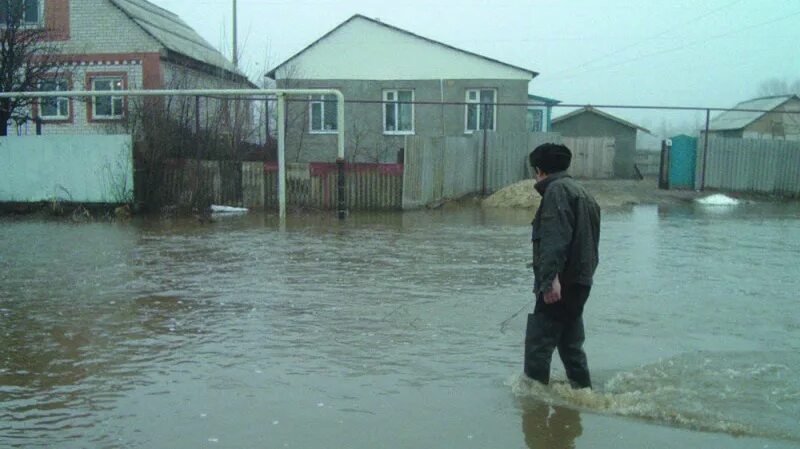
{"points": [[565, 235], [556, 430]]}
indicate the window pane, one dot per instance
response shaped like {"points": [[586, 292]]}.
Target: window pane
{"points": [[316, 116], [487, 96], [472, 117], [63, 107], [102, 106], [117, 101], [390, 96], [405, 117], [487, 117], [49, 107], [472, 95], [102, 84], [390, 123], [31, 11], [330, 112]]}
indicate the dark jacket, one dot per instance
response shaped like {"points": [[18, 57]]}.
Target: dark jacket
{"points": [[565, 233]]}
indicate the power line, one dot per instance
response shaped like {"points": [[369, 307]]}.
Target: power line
{"points": [[636, 44], [691, 44]]}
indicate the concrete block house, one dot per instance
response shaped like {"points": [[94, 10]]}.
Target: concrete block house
{"points": [[385, 67], [114, 45]]}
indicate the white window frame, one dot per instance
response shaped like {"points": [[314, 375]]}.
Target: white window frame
{"points": [[542, 124], [113, 80], [39, 20], [396, 104], [315, 99], [478, 101], [58, 100]]}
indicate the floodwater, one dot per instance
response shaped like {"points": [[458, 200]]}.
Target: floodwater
{"points": [[385, 331]]}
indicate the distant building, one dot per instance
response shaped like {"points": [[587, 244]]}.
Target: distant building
{"points": [[540, 115], [591, 122], [386, 66], [775, 124], [114, 45]]}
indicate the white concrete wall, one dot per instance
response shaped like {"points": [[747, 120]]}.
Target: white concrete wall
{"points": [[97, 26], [389, 54], [83, 169]]}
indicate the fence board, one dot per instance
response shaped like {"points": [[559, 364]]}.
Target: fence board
{"points": [[752, 165]]}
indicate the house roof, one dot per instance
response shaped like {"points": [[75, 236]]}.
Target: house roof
{"points": [[545, 100], [733, 119], [601, 114], [174, 34], [271, 73]]}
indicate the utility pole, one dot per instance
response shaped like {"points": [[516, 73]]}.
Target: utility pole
{"points": [[235, 33]]}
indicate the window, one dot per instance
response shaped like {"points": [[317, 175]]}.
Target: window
{"points": [[398, 112], [323, 114], [535, 120], [54, 108], [108, 107], [27, 12], [481, 110]]}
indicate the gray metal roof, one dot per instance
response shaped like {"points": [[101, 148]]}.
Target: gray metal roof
{"points": [[173, 33], [733, 119]]}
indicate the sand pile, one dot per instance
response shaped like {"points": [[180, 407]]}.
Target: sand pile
{"points": [[520, 195]]}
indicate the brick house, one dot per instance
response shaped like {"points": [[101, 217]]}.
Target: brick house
{"points": [[113, 45]]}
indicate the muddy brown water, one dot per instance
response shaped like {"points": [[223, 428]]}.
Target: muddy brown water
{"points": [[384, 331]]}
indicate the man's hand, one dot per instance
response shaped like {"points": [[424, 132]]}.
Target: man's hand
{"points": [[554, 295]]}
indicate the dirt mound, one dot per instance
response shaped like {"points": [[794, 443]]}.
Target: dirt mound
{"points": [[608, 193], [520, 195]]}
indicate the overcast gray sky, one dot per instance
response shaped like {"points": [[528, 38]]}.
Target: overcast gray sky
{"points": [[646, 52]]}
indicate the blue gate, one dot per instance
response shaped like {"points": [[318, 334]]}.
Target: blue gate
{"points": [[682, 160]]}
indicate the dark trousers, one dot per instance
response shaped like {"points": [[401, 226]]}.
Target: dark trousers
{"points": [[550, 328]]}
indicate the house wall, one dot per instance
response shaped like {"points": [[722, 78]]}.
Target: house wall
{"points": [[78, 75], [589, 124], [365, 139], [391, 54], [97, 26], [776, 125]]}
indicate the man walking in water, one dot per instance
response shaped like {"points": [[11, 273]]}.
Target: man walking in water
{"points": [[565, 235]]}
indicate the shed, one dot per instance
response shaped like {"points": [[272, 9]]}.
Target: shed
{"points": [[591, 122]]}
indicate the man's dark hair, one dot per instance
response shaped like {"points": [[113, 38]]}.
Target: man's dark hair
{"points": [[551, 157]]}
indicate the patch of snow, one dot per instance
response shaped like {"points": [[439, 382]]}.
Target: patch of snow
{"points": [[718, 199], [217, 209]]}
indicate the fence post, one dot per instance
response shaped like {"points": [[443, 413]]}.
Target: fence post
{"points": [[282, 155], [705, 152], [341, 203]]}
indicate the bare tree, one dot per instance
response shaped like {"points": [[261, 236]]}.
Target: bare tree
{"points": [[777, 86], [28, 57]]}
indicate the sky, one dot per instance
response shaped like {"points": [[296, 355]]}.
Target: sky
{"points": [[707, 53]]}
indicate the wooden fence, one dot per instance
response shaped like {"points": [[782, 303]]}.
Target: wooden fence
{"points": [[314, 186], [184, 181]]}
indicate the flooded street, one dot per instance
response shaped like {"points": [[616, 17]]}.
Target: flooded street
{"points": [[385, 331]]}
